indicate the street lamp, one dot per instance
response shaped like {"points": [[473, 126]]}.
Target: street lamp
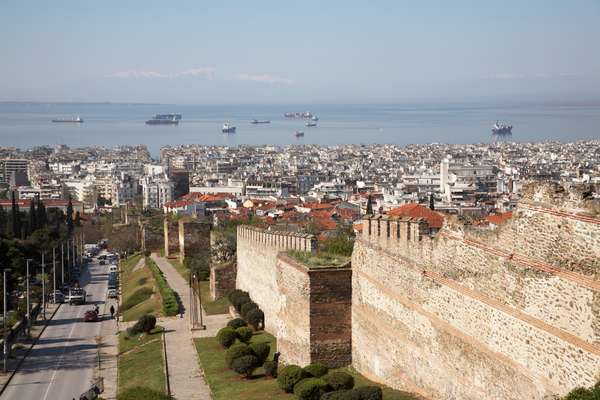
{"points": [[5, 351], [54, 271], [43, 286], [27, 286], [62, 263]]}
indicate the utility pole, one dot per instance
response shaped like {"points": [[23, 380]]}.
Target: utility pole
{"points": [[5, 332], [28, 305], [54, 273], [43, 286], [62, 262], [68, 261]]}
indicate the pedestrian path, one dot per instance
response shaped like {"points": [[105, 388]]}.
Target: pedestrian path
{"points": [[186, 377], [109, 352]]}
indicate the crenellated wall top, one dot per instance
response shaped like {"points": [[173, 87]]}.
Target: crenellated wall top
{"points": [[278, 240]]}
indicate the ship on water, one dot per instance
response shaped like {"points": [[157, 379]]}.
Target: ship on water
{"points": [[164, 119], [311, 123], [228, 128], [77, 120], [299, 134], [260, 121], [501, 130], [305, 115]]}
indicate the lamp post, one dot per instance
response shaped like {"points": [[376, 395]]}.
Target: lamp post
{"points": [[202, 326], [62, 262], [5, 350], [43, 286], [54, 273], [68, 261], [27, 288]]}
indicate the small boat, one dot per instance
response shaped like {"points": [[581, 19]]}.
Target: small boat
{"points": [[258, 121], [164, 119], [315, 118], [299, 134], [228, 128], [311, 124], [75, 119]]}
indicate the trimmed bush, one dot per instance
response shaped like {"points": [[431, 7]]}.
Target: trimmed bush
{"points": [[351, 394], [140, 295], [234, 294], [235, 351], [370, 393], [310, 389], [261, 351], [270, 368], [245, 365], [316, 370], [237, 323], [146, 323], [170, 301], [289, 376], [240, 300], [339, 380], [244, 334], [580, 394], [246, 307], [255, 318], [226, 336], [142, 393]]}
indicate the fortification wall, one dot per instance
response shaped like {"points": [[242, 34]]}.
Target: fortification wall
{"points": [[222, 279], [257, 251], [171, 236], [469, 315], [194, 240]]}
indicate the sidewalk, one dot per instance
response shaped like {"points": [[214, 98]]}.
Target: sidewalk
{"points": [[109, 352], [186, 377]]}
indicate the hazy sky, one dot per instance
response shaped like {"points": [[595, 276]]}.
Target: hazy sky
{"points": [[311, 51]]}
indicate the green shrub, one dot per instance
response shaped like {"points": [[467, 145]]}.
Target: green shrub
{"points": [[235, 294], [580, 394], [226, 336], [146, 323], [370, 393], [244, 334], [169, 297], [289, 376], [140, 295], [261, 350], [270, 368], [235, 351], [310, 389], [142, 393], [237, 323], [240, 300], [316, 370], [339, 380], [246, 307], [255, 318], [351, 394], [245, 365]]}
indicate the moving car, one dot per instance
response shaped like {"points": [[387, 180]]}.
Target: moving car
{"points": [[90, 316], [57, 297], [112, 293], [76, 296], [102, 262]]}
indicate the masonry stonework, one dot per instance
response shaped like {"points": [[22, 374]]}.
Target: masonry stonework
{"points": [[194, 239], [466, 314], [171, 236], [222, 279]]}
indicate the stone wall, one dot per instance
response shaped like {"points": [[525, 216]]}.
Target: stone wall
{"points": [[194, 240], [222, 279], [466, 314], [171, 236], [257, 251], [314, 314]]}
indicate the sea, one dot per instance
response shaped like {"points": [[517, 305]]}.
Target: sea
{"points": [[25, 125]]}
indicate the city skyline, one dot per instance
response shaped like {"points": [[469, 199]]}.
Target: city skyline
{"points": [[273, 53]]}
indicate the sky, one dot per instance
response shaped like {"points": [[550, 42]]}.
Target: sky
{"points": [[235, 52]]}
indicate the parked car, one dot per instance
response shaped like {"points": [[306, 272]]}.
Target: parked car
{"points": [[90, 316], [112, 293], [57, 297], [102, 262], [113, 268]]}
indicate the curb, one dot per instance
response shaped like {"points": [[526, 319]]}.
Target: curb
{"points": [[12, 374]]}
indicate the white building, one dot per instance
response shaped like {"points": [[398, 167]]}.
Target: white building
{"points": [[157, 191]]}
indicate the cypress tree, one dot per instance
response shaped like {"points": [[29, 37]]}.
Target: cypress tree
{"points": [[70, 216], [370, 205], [431, 202], [3, 220], [77, 219], [32, 217], [16, 223], [42, 218]]}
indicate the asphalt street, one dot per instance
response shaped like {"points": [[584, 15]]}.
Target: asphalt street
{"points": [[61, 364]]}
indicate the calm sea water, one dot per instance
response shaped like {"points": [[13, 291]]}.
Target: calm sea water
{"points": [[28, 124]]}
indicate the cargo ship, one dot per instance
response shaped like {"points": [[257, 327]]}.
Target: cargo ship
{"points": [[75, 120], [228, 128], [305, 115], [164, 119], [260, 121], [299, 134], [311, 123], [501, 129]]}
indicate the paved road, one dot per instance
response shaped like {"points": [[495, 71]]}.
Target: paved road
{"points": [[61, 365]]}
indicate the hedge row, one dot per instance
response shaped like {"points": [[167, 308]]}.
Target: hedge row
{"points": [[169, 297]]}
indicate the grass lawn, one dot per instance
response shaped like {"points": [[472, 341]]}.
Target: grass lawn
{"points": [[134, 280], [130, 262], [141, 362], [219, 306], [228, 385]]}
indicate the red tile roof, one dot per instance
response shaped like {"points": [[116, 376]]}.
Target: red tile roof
{"points": [[413, 210], [499, 219]]}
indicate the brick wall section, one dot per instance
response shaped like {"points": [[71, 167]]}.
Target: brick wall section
{"points": [[171, 236], [222, 279], [315, 313], [257, 251], [194, 239], [471, 315]]}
